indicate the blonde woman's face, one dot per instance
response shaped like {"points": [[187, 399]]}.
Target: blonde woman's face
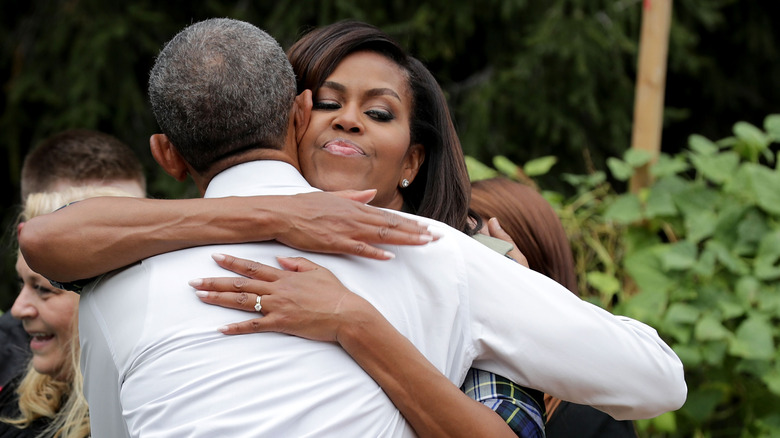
{"points": [[48, 316]]}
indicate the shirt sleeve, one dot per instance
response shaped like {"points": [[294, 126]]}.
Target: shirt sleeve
{"points": [[532, 330]]}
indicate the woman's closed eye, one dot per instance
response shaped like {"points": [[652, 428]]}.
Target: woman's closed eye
{"points": [[326, 105], [380, 115]]}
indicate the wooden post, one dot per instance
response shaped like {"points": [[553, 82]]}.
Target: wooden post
{"points": [[650, 85]]}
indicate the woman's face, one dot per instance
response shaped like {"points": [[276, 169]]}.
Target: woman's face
{"points": [[47, 315], [358, 136]]}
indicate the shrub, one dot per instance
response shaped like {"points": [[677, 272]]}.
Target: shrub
{"points": [[697, 256]]}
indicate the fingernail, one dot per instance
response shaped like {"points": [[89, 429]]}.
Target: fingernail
{"points": [[201, 293], [195, 282], [435, 234], [426, 238], [218, 257], [495, 221], [222, 329], [389, 255]]}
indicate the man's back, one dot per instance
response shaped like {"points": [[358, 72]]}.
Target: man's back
{"points": [[178, 376]]}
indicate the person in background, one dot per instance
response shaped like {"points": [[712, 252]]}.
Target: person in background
{"points": [[47, 400], [534, 227], [80, 157], [73, 157]]}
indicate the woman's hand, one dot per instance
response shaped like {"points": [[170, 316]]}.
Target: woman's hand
{"points": [[302, 299], [494, 230], [341, 223]]}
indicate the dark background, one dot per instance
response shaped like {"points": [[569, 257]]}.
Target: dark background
{"points": [[524, 79]]}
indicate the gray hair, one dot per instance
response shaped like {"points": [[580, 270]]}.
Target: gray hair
{"points": [[221, 87]]}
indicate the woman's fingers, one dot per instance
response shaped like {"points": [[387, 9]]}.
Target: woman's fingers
{"points": [[256, 325], [495, 230], [297, 264], [232, 300], [247, 268]]}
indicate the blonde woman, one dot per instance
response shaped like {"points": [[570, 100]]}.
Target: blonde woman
{"points": [[48, 400]]}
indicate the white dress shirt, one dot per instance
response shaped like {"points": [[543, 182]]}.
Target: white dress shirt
{"points": [[155, 366]]}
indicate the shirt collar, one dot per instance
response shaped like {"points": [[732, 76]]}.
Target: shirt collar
{"points": [[257, 178]]}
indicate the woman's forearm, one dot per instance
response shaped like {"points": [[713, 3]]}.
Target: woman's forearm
{"points": [[426, 398], [98, 235]]}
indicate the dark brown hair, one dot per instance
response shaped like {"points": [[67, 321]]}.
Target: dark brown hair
{"points": [[79, 155], [532, 223], [441, 189]]}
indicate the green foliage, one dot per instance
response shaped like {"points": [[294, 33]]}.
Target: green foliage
{"points": [[697, 256]]}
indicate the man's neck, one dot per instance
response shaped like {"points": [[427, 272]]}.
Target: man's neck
{"points": [[288, 154]]}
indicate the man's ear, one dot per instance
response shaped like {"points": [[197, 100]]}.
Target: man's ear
{"points": [[412, 162], [168, 157], [303, 106]]}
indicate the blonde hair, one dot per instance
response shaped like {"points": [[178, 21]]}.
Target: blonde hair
{"points": [[42, 395]]}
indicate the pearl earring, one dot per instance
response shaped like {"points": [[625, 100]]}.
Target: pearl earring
{"points": [[405, 183]]}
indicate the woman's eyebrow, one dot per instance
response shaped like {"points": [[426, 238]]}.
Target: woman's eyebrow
{"points": [[382, 92], [370, 93]]}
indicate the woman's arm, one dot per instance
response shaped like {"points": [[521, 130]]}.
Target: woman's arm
{"points": [[98, 235], [312, 303]]}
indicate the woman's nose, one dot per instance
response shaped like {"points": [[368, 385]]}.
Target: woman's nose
{"points": [[348, 120], [23, 306]]}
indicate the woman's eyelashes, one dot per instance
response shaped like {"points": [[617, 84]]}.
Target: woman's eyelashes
{"points": [[325, 105], [379, 115]]}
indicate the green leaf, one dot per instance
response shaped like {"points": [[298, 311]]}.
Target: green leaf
{"points": [[753, 339], [625, 209], [477, 170], [539, 166], [688, 354], [644, 266], [716, 168], [752, 140], [713, 352], [772, 380], [700, 224], [772, 126], [605, 283], [730, 307], [767, 263], [667, 166], [767, 188], [702, 145], [621, 170], [637, 157], [506, 166], [647, 306], [732, 263], [682, 313], [701, 403], [659, 203], [747, 289], [710, 328], [679, 256]]}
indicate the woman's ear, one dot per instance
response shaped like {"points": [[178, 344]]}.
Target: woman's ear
{"points": [[303, 106], [166, 155], [412, 162]]}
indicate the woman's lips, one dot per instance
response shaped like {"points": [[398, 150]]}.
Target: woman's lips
{"points": [[40, 340], [343, 147]]}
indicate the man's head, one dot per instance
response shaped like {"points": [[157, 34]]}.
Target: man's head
{"points": [[220, 88], [80, 157]]}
